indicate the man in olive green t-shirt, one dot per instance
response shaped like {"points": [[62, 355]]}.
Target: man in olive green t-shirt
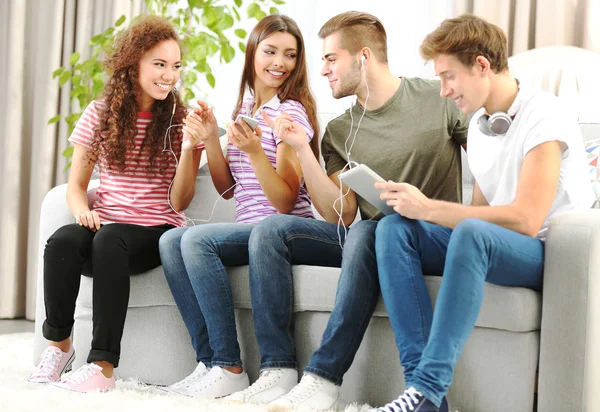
{"points": [[414, 137], [408, 133]]}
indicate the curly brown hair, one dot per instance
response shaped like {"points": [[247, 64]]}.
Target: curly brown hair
{"points": [[115, 134]]}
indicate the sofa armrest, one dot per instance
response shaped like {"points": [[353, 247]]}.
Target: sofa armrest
{"points": [[569, 370], [54, 213]]}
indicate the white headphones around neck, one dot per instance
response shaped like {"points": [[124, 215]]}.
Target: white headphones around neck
{"points": [[497, 124]]}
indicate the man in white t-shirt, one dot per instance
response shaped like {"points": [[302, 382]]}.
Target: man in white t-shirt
{"points": [[528, 161]]}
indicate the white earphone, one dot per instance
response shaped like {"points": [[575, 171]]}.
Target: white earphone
{"points": [[348, 150]]}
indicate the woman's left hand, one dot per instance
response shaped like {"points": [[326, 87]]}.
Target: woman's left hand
{"points": [[193, 132], [406, 199], [242, 137]]}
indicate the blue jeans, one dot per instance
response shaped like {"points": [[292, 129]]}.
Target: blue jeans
{"points": [[282, 240], [194, 261], [475, 252]]}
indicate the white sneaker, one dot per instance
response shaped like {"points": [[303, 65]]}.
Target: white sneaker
{"points": [[313, 392], [217, 383], [53, 363], [270, 385], [199, 373]]}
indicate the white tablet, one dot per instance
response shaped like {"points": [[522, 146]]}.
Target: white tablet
{"points": [[362, 180]]}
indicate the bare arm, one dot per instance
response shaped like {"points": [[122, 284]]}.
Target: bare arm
{"points": [[219, 170], [79, 178], [324, 190], [217, 163], [535, 193], [478, 197], [184, 185], [281, 184]]}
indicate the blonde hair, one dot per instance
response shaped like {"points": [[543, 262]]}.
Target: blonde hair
{"points": [[466, 37], [358, 30]]}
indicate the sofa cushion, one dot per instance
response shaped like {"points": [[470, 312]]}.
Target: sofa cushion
{"points": [[512, 309]]}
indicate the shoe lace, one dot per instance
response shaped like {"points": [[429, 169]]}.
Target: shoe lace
{"points": [[308, 386], [405, 402], [83, 374], [49, 362], [198, 373], [266, 379]]}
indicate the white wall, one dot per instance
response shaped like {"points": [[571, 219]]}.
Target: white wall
{"points": [[406, 23]]}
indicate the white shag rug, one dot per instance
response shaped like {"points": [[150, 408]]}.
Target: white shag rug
{"points": [[17, 395]]}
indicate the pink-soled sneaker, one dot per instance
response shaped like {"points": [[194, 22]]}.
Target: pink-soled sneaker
{"points": [[88, 378], [53, 363]]}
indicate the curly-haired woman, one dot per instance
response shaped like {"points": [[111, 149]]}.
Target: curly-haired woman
{"points": [[143, 189]]}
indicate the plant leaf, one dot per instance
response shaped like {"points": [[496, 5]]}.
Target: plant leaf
{"points": [[240, 33], [191, 77], [58, 72], [54, 119], [64, 77], [253, 9], [225, 22], [74, 58], [68, 152], [97, 39], [260, 15], [227, 52], [189, 94], [242, 47], [202, 66], [120, 21], [211, 80]]}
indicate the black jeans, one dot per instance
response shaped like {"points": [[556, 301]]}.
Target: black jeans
{"points": [[109, 256]]}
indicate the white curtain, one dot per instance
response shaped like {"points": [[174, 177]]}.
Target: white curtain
{"points": [[37, 36], [533, 24]]}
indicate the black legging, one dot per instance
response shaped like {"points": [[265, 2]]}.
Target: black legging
{"points": [[109, 256]]}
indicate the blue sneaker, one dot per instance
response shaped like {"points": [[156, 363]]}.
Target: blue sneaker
{"points": [[412, 401]]}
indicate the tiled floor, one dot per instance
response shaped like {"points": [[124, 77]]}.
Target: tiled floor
{"points": [[15, 326]]}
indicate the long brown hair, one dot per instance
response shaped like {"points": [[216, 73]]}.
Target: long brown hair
{"points": [[115, 134], [296, 86]]}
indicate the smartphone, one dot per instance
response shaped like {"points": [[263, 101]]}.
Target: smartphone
{"points": [[249, 121]]}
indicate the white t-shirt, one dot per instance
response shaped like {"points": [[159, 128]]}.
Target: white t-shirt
{"points": [[496, 161]]}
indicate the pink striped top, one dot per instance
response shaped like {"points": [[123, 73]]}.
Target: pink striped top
{"points": [[132, 196], [251, 204]]}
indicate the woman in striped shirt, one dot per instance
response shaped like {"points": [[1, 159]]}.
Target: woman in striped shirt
{"points": [[263, 175], [124, 135]]}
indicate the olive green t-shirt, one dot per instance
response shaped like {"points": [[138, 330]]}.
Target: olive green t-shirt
{"points": [[415, 138]]}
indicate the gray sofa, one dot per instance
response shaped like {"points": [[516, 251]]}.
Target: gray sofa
{"points": [[524, 342]]}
